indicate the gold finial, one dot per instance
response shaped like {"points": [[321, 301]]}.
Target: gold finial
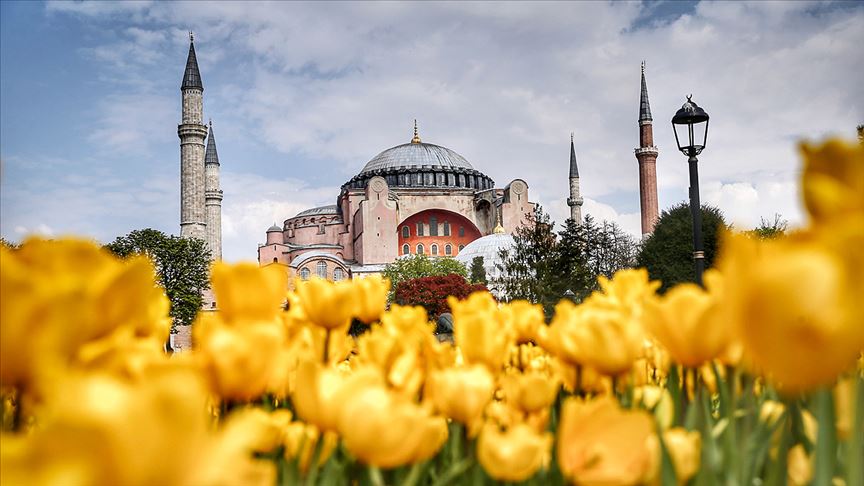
{"points": [[643, 66], [191, 36], [416, 138], [499, 230]]}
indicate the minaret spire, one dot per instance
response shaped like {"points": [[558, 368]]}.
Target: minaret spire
{"points": [[575, 200], [192, 76], [646, 154]]}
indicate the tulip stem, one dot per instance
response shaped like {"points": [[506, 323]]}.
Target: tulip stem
{"points": [[375, 476], [326, 345]]}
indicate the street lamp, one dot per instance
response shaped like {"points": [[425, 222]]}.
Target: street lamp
{"points": [[690, 125]]}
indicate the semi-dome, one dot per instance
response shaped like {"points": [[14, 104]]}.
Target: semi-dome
{"points": [[416, 155], [489, 247], [417, 164]]}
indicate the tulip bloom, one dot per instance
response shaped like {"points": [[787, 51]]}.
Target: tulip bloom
{"points": [[327, 304], [479, 332], [462, 394], [512, 455], [601, 444], [689, 322], [371, 298], [248, 292]]}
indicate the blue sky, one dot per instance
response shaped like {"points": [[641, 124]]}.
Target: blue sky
{"points": [[303, 94]]}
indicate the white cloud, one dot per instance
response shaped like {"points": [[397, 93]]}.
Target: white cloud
{"points": [[503, 84]]}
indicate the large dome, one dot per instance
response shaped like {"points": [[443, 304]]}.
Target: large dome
{"points": [[416, 155], [421, 165], [489, 247]]}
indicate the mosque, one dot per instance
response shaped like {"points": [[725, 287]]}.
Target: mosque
{"points": [[413, 198]]}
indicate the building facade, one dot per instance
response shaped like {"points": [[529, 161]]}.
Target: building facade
{"points": [[414, 198]]}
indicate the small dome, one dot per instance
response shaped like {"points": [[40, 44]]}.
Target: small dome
{"points": [[489, 248], [330, 209], [416, 155], [274, 228]]}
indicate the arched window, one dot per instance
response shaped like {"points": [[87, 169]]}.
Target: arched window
{"points": [[433, 226], [434, 249], [337, 274], [446, 228], [448, 250], [304, 273], [406, 233], [420, 249], [419, 229], [406, 249], [461, 247], [321, 269], [275, 259]]}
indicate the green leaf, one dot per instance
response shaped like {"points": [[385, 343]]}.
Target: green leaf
{"points": [[826, 439]]}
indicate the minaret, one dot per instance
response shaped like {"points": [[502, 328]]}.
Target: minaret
{"points": [[646, 154], [213, 197], [192, 133], [575, 200]]}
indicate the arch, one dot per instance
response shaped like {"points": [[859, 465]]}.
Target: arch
{"points": [[321, 269], [434, 249], [406, 249], [304, 273], [337, 274], [444, 228], [406, 231], [420, 248], [448, 249]]}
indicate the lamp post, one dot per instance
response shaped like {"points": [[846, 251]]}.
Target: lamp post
{"points": [[692, 123]]}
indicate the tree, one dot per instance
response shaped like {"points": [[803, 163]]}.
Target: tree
{"points": [[529, 268], [181, 266], [478, 273], [571, 261], [9, 245], [416, 266], [767, 231], [668, 252], [608, 248], [431, 292]]}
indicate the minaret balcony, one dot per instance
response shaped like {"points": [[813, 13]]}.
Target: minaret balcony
{"points": [[646, 151], [574, 201]]}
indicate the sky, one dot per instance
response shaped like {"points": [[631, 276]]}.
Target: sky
{"points": [[302, 95]]}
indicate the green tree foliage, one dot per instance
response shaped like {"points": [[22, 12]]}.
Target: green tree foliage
{"points": [[668, 252], [529, 267], [181, 266], [9, 245], [768, 230], [605, 247], [416, 266], [478, 273]]}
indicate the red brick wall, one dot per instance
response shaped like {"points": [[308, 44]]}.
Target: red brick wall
{"points": [[456, 221]]}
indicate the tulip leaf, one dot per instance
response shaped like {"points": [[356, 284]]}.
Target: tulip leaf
{"points": [[826, 439], [855, 466]]}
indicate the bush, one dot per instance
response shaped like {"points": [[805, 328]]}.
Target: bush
{"points": [[431, 292]]}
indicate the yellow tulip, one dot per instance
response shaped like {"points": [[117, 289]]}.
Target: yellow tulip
{"points": [[322, 392], [684, 321], [479, 332], [247, 292], [832, 183], [329, 305], [238, 359], [58, 295], [372, 298], [685, 450], [301, 440], [512, 455], [384, 430], [793, 314], [658, 400], [601, 444], [524, 318], [530, 391], [462, 394], [799, 466]]}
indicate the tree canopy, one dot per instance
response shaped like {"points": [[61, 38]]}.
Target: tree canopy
{"points": [[668, 252], [416, 266], [770, 229], [542, 266], [181, 266], [478, 272], [431, 292]]}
